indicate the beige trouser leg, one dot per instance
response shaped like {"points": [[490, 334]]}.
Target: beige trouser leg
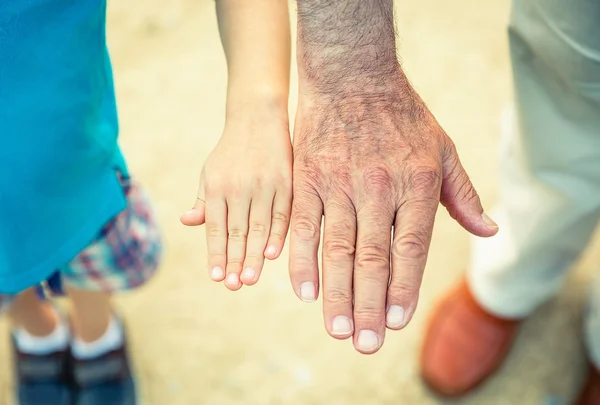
{"points": [[550, 161]]}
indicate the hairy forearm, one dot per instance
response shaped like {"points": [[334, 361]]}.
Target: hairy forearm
{"points": [[346, 43], [256, 39]]}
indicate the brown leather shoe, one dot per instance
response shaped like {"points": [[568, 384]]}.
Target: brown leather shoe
{"points": [[591, 391], [464, 344]]}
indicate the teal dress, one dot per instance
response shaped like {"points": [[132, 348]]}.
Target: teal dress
{"points": [[58, 136]]}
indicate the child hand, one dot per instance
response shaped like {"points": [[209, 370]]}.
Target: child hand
{"points": [[245, 198]]}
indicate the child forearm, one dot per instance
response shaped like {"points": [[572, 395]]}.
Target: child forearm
{"points": [[245, 193], [256, 39]]}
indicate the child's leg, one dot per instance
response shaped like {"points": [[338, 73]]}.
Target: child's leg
{"points": [[40, 339], [124, 256], [38, 329], [90, 313], [32, 314]]}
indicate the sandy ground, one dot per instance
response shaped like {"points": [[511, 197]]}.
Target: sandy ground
{"points": [[193, 341]]}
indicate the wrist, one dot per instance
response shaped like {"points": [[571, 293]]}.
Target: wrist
{"points": [[357, 73], [262, 102], [347, 45]]}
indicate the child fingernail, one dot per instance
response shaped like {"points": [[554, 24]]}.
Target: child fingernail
{"points": [[232, 279], [271, 251], [216, 273], [249, 274]]}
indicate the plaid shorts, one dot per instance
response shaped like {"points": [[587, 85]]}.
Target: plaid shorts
{"points": [[125, 254]]}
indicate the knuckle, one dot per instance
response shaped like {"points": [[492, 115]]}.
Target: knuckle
{"points": [[261, 182], [280, 217], [213, 230], [235, 190], [308, 180], [234, 261], [425, 180], [285, 183], [411, 245], [336, 295], [378, 179], [338, 248], [237, 234], [373, 257], [305, 228], [257, 227], [371, 310], [213, 184]]}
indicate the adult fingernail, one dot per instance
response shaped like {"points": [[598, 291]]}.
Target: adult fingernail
{"points": [[489, 221], [341, 325], [249, 274], [232, 279], [216, 273], [190, 212], [367, 340], [271, 251], [308, 292], [395, 317]]}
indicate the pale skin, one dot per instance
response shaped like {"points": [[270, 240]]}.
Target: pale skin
{"points": [[245, 193]]}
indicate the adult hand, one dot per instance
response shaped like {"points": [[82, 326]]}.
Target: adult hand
{"points": [[371, 158]]}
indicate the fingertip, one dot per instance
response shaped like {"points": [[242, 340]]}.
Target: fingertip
{"points": [[489, 222], [367, 341], [193, 217], [490, 232], [232, 282], [397, 318], [272, 252], [249, 276], [341, 327], [307, 292], [486, 228], [217, 274], [475, 223]]}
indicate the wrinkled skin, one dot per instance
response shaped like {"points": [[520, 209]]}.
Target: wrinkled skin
{"points": [[376, 164]]}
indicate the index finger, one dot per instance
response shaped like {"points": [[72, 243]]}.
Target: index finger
{"points": [[305, 235], [412, 236]]}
